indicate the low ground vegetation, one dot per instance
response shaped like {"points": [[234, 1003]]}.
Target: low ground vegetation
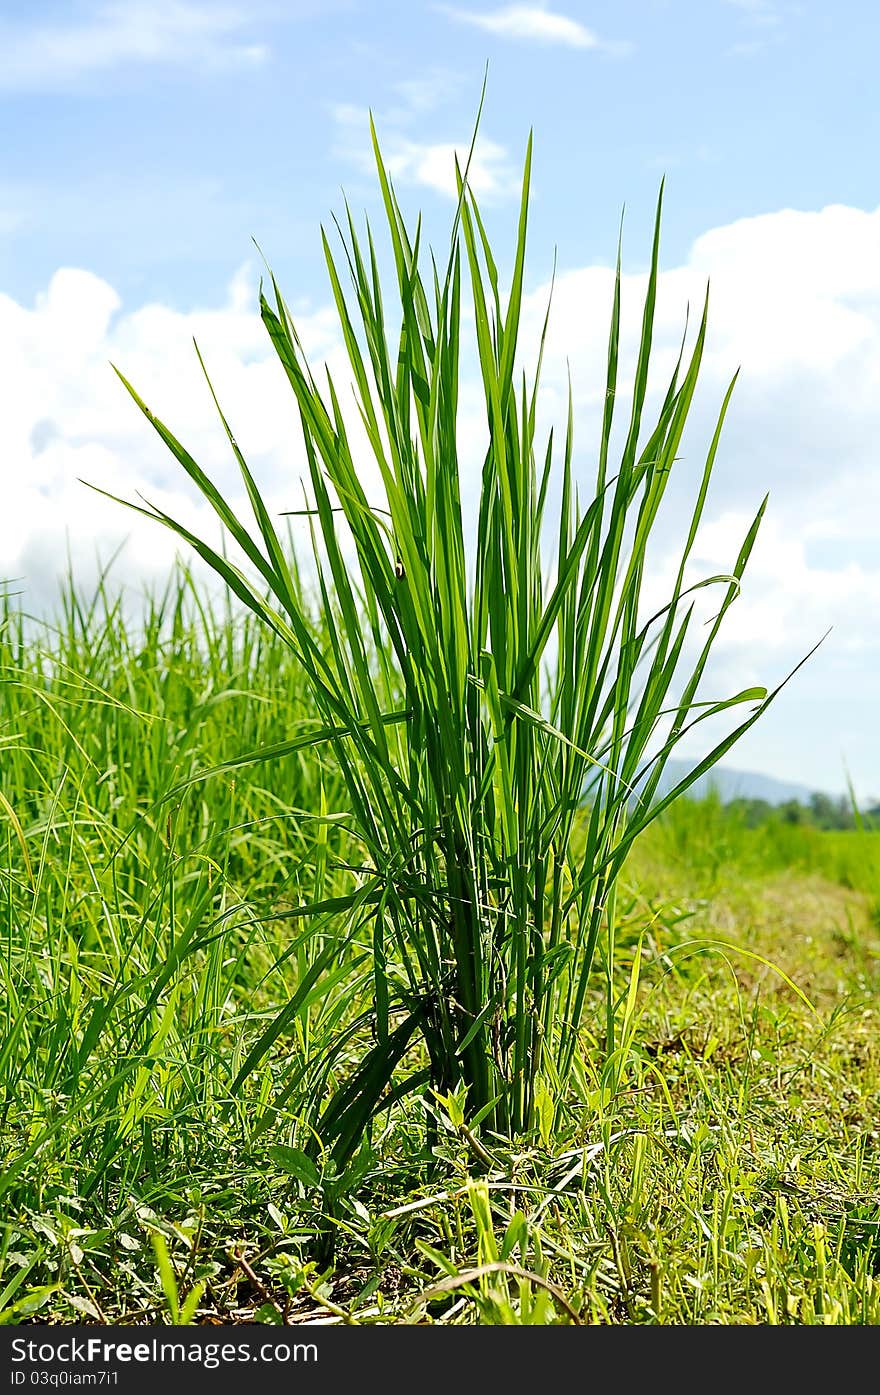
{"points": [[717, 1161]]}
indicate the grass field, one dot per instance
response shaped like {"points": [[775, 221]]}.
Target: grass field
{"points": [[714, 1156]]}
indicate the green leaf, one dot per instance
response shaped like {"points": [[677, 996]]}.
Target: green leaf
{"points": [[296, 1162]]}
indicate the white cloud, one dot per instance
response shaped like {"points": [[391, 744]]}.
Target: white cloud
{"points": [[795, 301], [68, 418], [119, 33], [787, 604], [491, 174], [529, 23], [426, 164]]}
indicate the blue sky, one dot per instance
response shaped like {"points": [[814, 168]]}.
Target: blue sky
{"points": [[152, 139]]}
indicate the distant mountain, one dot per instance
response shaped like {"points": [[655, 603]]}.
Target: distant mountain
{"points": [[734, 784]]}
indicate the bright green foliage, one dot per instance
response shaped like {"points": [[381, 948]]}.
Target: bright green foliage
{"points": [[719, 1165], [474, 700], [134, 935]]}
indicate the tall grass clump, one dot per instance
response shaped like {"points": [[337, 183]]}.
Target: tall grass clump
{"points": [[500, 723]]}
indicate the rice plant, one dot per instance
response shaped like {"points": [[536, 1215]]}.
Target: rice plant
{"points": [[500, 721]]}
